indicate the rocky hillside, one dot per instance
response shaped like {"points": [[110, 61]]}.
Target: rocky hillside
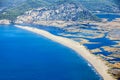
{"points": [[12, 9], [67, 11]]}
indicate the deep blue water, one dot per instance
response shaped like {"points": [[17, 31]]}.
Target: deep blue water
{"points": [[110, 17], [27, 56]]}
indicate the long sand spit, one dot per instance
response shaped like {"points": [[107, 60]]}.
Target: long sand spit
{"points": [[95, 61]]}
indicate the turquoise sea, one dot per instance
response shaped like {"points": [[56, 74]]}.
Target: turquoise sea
{"points": [[27, 56]]}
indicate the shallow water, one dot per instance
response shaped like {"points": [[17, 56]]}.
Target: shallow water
{"points": [[109, 17], [100, 42], [27, 56]]}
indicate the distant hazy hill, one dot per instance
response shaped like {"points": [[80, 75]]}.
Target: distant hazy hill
{"points": [[117, 2], [16, 9], [97, 5], [100, 5], [6, 3]]}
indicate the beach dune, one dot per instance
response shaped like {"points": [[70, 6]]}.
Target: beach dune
{"points": [[95, 61]]}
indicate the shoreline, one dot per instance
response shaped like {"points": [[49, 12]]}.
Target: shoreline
{"points": [[99, 65]]}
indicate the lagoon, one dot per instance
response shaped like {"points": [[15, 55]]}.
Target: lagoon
{"points": [[108, 16]]}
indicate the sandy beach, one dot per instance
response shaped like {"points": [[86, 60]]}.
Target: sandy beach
{"points": [[95, 61]]}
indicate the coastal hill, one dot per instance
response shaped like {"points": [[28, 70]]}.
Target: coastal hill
{"points": [[60, 11], [12, 9], [67, 9]]}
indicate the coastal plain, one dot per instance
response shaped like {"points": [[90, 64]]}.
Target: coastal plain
{"points": [[101, 38]]}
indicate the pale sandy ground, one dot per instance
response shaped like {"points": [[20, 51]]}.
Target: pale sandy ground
{"points": [[5, 21], [95, 61]]}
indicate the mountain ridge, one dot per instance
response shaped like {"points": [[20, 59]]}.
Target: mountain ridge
{"points": [[67, 11], [13, 11]]}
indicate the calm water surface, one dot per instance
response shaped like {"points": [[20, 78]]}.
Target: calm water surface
{"points": [[28, 56], [109, 17]]}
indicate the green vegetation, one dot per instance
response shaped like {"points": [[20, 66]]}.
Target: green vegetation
{"points": [[4, 2], [15, 8], [13, 11]]}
